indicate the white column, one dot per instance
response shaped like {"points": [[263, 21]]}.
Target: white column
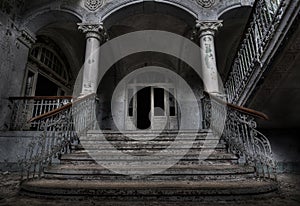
{"points": [[207, 30], [94, 36]]}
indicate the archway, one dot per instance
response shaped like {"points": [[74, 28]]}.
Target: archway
{"points": [[227, 42], [149, 16], [59, 29], [151, 105]]}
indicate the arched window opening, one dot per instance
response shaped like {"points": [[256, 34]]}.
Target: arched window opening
{"points": [[47, 70]]}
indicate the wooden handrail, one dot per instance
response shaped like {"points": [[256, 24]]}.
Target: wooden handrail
{"points": [[248, 111], [40, 98], [58, 110], [251, 112]]}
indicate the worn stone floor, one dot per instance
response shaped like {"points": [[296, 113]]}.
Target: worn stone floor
{"points": [[288, 194]]}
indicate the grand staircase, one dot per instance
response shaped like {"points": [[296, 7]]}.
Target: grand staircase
{"points": [[207, 169]]}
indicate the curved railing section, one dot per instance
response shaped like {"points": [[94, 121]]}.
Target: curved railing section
{"points": [[241, 134], [60, 131], [263, 24]]}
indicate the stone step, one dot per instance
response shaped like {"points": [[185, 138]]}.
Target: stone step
{"points": [[176, 172], [84, 156], [195, 152], [151, 132], [150, 148], [151, 142], [148, 135], [147, 189], [147, 138], [191, 157], [181, 162], [196, 169], [145, 152]]}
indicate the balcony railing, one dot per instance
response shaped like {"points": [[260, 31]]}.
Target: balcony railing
{"points": [[61, 129], [25, 108], [265, 19]]}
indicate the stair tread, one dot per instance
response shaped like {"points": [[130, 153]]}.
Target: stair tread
{"points": [[154, 146], [91, 156], [92, 168], [155, 139], [134, 183], [112, 132]]}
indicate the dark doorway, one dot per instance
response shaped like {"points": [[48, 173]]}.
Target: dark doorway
{"points": [[144, 108], [159, 102]]}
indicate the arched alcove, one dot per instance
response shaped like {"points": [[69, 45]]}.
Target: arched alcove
{"points": [[229, 36], [61, 28], [149, 16]]}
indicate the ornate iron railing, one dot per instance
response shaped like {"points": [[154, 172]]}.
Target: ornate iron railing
{"points": [[264, 22], [61, 129], [241, 134], [25, 108]]}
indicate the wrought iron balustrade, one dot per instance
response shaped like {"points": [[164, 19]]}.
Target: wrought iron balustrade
{"points": [[264, 21], [61, 129], [241, 134], [25, 108]]}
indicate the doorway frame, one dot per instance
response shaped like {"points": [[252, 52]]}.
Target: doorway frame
{"points": [[130, 122]]}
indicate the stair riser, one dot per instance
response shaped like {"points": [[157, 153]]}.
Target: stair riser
{"points": [[140, 193], [147, 140], [149, 144], [149, 132], [149, 137], [157, 144], [193, 156], [158, 178], [191, 152], [150, 150], [181, 162], [175, 170], [124, 158]]}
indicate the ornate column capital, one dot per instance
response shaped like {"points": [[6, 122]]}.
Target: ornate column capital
{"points": [[93, 30], [208, 27]]}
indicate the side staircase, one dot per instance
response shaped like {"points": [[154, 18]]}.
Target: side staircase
{"points": [[206, 170]]}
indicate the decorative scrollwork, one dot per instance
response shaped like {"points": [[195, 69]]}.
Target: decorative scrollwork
{"points": [[206, 3], [93, 5], [244, 139], [58, 136]]}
